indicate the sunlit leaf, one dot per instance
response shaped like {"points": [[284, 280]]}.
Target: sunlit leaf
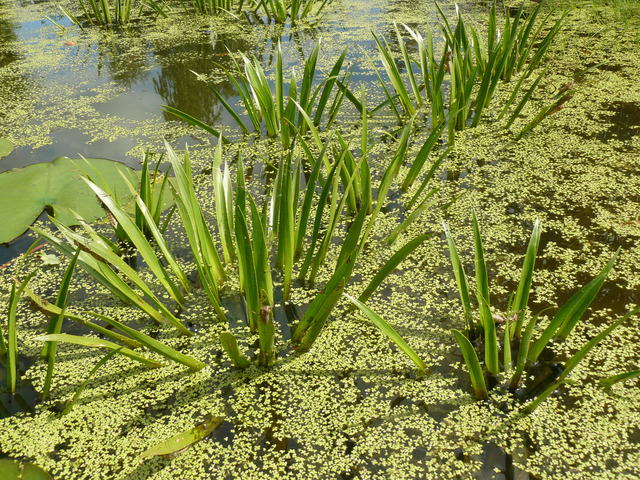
{"points": [[182, 441]]}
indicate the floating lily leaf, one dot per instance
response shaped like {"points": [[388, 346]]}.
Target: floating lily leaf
{"points": [[6, 147], [179, 443], [15, 470], [26, 192]]}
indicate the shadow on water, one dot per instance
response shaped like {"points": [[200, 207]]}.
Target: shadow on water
{"points": [[624, 118], [24, 399]]}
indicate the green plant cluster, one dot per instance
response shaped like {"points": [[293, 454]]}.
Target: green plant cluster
{"points": [[294, 227], [107, 13]]}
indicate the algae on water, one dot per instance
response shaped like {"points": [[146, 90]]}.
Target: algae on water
{"points": [[353, 406]]}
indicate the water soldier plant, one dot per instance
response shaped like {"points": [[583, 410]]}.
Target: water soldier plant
{"points": [[263, 102], [474, 68], [252, 239], [99, 12], [480, 338], [280, 10], [107, 13]]}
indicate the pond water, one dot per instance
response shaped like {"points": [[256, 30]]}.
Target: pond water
{"points": [[353, 406]]}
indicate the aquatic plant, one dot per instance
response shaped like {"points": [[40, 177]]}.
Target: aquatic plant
{"points": [[475, 68], [262, 103], [56, 187], [9, 348], [178, 443], [152, 189], [210, 7], [280, 10], [99, 12], [284, 217], [484, 330], [99, 256], [389, 332]]}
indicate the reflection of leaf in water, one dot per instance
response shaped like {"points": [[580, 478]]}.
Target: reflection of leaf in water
{"points": [[15, 470], [177, 444]]}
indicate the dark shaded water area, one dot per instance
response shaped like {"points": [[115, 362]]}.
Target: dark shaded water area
{"points": [[99, 93]]}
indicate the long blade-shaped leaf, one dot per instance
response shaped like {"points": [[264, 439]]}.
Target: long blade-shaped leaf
{"points": [[182, 441], [194, 121], [568, 316], [139, 240], [248, 272], [84, 384], [152, 343], [609, 381], [94, 261], [230, 345], [328, 87], [388, 330], [522, 293], [525, 343], [482, 278], [55, 324], [461, 278], [261, 255], [473, 364], [580, 354], [391, 264], [99, 343], [12, 333], [482, 294], [53, 311], [422, 156], [223, 201]]}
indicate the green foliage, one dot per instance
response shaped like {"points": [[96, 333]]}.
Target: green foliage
{"points": [[263, 104], [210, 7], [252, 237], [11, 345], [182, 441], [84, 384], [474, 68], [101, 13], [559, 327], [389, 332], [280, 10]]}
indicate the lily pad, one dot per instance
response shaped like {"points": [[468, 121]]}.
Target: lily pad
{"points": [[6, 147], [15, 470], [57, 187]]}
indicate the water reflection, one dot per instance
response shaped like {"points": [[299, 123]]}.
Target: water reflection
{"points": [[7, 37], [179, 87]]}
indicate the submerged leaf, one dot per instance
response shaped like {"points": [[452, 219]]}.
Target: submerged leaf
{"points": [[179, 443]]}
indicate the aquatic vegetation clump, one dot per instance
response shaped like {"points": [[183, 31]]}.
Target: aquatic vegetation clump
{"points": [[474, 68], [101, 13], [294, 10], [251, 238], [484, 330], [263, 104]]}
